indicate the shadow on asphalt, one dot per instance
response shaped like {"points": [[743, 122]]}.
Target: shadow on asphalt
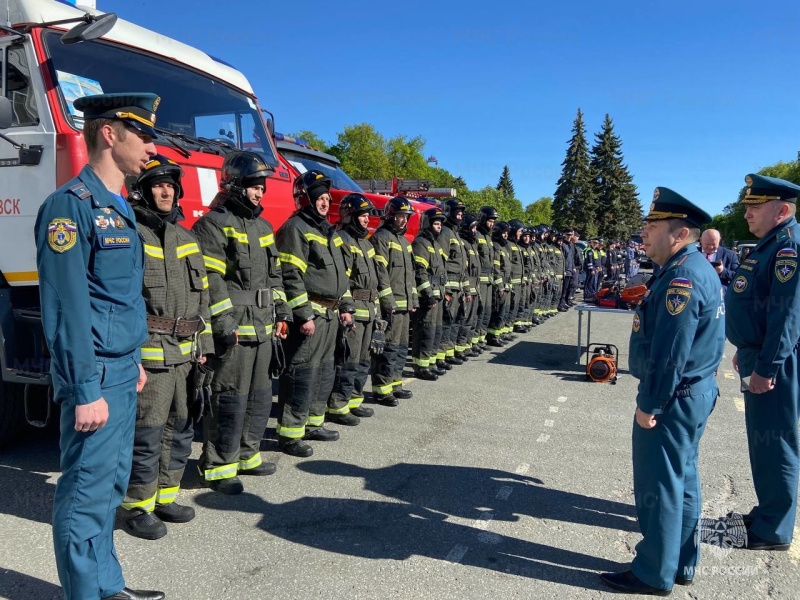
{"points": [[537, 355], [18, 586], [419, 524]]}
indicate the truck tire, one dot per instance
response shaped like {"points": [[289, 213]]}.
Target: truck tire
{"points": [[12, 413]]}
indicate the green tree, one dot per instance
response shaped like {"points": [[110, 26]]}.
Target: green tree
{"points": [[406, 158], [362, 152], [618, 213], [539, 212], [505, 185], [312, 139], [509, 208], [574, 202]]}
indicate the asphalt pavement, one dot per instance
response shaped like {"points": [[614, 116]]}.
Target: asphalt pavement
{"points": [[510, 477]]}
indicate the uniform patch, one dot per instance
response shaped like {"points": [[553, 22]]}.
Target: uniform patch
{"points": [[740, 284], [62, 234], [787, 253], [115, 241], [752, 261], [681, 282], [677, 299], [102, 222], [119, 223], [637, 323], [785, 269]]}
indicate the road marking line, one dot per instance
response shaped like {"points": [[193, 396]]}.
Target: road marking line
{"points": [[729, 375], [543, 438], [504, 493], [483, 521], [487, 537], [553, 409], [522, 469], [562, 398], [549, 422], [457, 553], [794, 549], [739, 403]]}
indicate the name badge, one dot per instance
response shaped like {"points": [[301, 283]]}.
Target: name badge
{"points": [[115, 241]]}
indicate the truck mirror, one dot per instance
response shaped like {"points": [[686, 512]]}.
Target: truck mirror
{"points": [[6, 113], [96, 28]]}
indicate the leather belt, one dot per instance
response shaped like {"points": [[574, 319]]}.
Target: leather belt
{"points": [[258, 298], [331, 303], [365, 295], [175, 327]]}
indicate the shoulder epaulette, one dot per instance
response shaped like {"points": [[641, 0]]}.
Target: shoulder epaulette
{"points": [[784, 234], [81, 191]]}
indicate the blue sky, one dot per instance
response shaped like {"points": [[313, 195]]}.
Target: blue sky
{"points": [[701, 93]]}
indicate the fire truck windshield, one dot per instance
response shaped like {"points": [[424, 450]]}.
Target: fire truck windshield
{"points": [[302, 162], [192, 104]]}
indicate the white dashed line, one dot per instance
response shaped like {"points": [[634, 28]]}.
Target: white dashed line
{"points": [[543, 438], [562, 398], [522, 469], [504, 493], [483, 521], [457, 553], [553, 409], [739, 403], [794, 549], [549, 422], [729, 375]]}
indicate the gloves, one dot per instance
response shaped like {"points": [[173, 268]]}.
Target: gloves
{"points": [[200, 402], [378, 340], [277, 364], [224, 343]]}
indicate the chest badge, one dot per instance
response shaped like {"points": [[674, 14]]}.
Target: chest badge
{"points": [[740, 284], [119, 223], [785, 269], [637, 323], [102, 222]]}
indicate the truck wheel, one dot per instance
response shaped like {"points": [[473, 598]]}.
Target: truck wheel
{"points": [[12, 413]]}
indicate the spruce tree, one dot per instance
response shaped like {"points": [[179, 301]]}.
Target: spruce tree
{"points": [[617, 213], [573, 202], [505, 186]]}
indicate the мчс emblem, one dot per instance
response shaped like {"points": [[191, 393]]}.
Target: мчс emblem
{"points": [[740, 284], [637, 323], [120, 223], [102, 222], [677, 299], [62, 234], [785, 269]]}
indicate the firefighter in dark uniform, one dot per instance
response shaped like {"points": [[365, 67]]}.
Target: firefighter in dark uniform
{"points": [[568, 252], [487, 215], [394, 252], [538, 275], [558, 269], [467, 341], [179, 326], [318, 293], [578, 266], [528, 269], [762, 307], [500, 285], [456, 264], [90, 264], [675, 398], [517, 271], [247, 306], [430, 277], [367, 279]]}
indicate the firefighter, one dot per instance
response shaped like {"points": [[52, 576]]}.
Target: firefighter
{"points": [[467, 341], [527, 278], [394, 252], [513, 322], [455, 265], [500, 285], [368, 278], [246, 299], [538, 275], [318, 292], [487, 215], [430, 277], [178, 322], [568, 252]]}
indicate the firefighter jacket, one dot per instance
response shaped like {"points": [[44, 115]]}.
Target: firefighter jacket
{"points": [[456, 263], [394, 252], [502, 265], [472, 272], [515, 261], [559, 265], [429, 267], [485, 254], [367, 276], [314, 273], [244, 277], [175, 287], [527, 263]]}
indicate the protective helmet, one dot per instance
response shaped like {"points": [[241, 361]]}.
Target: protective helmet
{"points": [[500, 227], [431, 215], [353, 206], [487, 213], [398, 205], [469, 222], [310, 186], [160, 168], [515, 225], [451, 207], [242, 169]]}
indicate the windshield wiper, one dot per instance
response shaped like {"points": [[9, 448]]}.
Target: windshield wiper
{"points": [[170, 137], [194, 143]]}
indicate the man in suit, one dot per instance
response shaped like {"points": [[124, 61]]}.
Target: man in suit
{"points": [[724, 261]]}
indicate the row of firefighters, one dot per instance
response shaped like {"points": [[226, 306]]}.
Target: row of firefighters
{"points": [[322, 308]]}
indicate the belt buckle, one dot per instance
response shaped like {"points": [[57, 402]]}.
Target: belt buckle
{"points": [[175, 327], [259, 298]]}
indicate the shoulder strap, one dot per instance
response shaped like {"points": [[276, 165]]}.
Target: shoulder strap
{"points": [[80, 190]]}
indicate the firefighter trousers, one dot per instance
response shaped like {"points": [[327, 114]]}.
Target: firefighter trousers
{"points": [[500, 311], [466, 332], [387, 368], [484, 309], [348, 393], [426, 327], [241, 401], [451, 321], [306, 384], [163, 438], [513, 308]]}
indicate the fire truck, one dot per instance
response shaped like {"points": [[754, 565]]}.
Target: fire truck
{"points": [[52, 53], [300, 157]]}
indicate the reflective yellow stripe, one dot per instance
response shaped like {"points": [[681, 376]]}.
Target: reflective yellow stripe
{"points": [[291, 432], [154, 251], [266, 240], [345, 410], [278, 294], [421, 261], [422, 362], [423, 286], [315, 420], [397, 383], [187, 249], [167, 495], [356, 250], [355, 402], [371, 253], [362, 312], [294, 260], [382, 389], [152, 354], [207, 329], [402, 304], [381, 260], [453, 284], [235, 235], [481, 241], [205, 282], [318, 308], [313, 237], [250, 330], [485, 279], [295, 302], [213, 263], [395, 246], [223, 472], [219, 307], [348, 272], [145, 505], [250, 463], [337, 241], [384, 292]]}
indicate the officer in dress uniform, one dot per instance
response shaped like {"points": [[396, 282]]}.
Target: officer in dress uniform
{"points": [[763, 304], [179, 327], [93, 315], [677, 392]]}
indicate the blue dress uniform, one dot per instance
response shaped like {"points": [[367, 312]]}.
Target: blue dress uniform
{"points": [[90, 259], [764, 305], [676, 346]]}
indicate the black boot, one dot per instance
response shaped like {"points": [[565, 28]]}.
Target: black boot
{"points": [[425, 374], [387, 400], [321, 434], [144, 525], [453, 360], [262, 470], [296, 448], [129, 594], [626, 581], [349, 419], [444, 365], [362, 412], [174, 513], [231, 486], [402, 394]]}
